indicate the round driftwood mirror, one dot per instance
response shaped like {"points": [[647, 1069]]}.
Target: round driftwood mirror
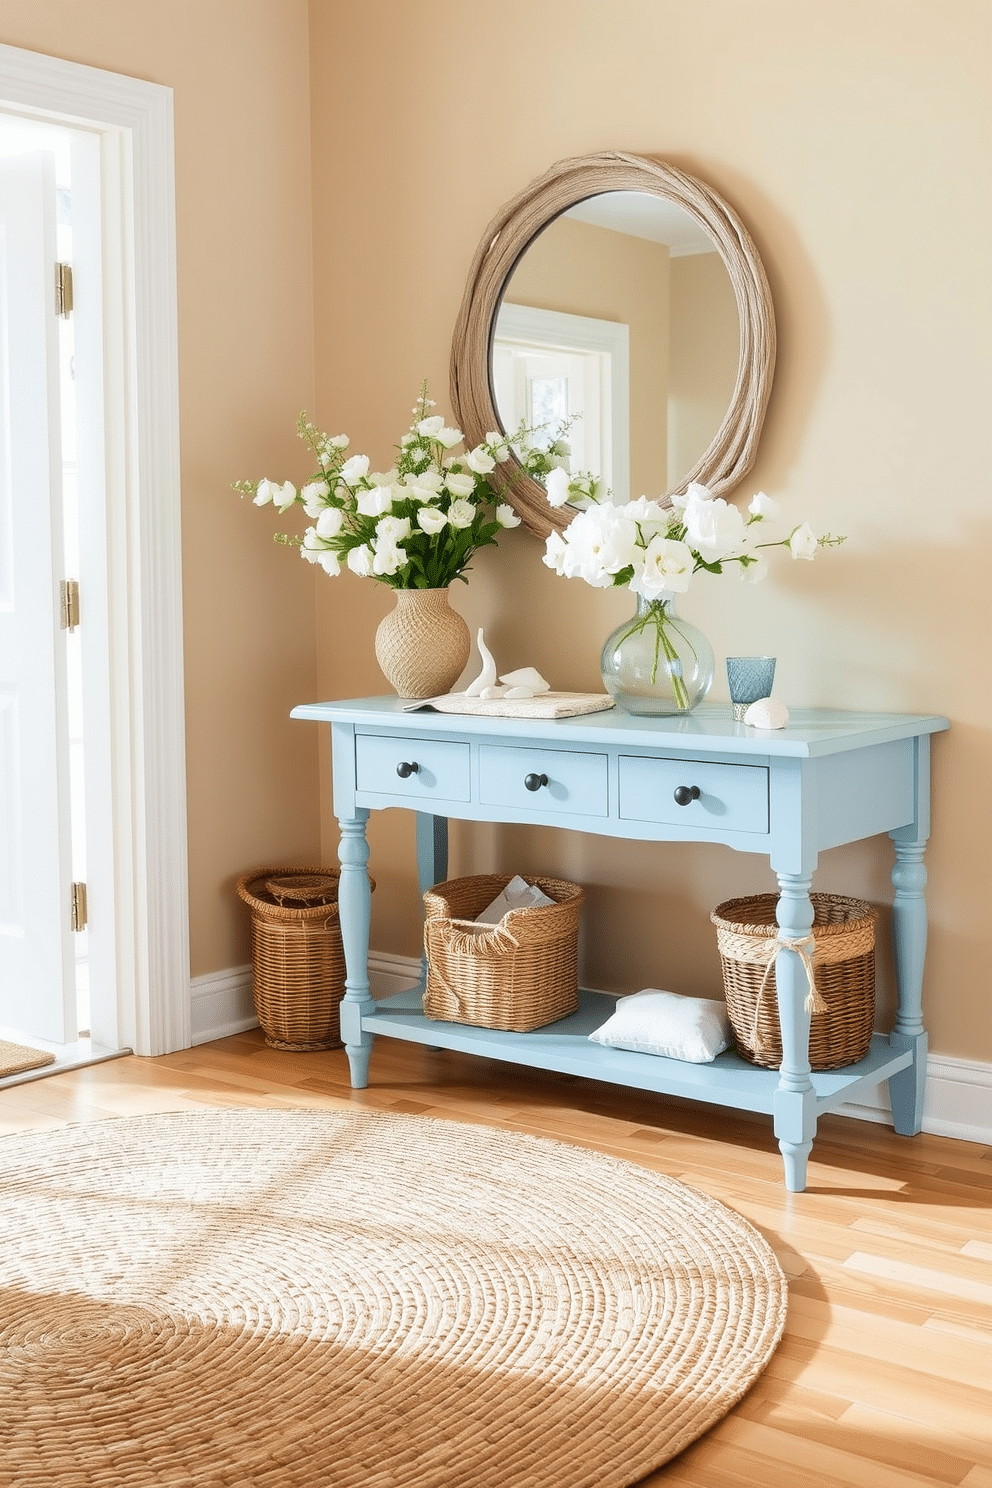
{"points": [[620, 295]]}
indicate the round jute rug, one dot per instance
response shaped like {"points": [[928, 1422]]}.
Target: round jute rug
{"points": [[346, 1299]]}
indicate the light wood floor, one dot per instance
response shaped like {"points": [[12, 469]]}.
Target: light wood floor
{"points": [[882, 1379]]}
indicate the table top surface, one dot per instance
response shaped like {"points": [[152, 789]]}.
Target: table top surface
{"points": [[810, 732]]}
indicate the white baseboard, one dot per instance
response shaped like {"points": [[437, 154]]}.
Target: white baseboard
{"points": [[958, 1101], [221, 1004]]}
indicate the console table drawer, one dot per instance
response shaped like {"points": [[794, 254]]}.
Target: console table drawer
{"points": [[415, 768], [544, 780], [731, 797]]}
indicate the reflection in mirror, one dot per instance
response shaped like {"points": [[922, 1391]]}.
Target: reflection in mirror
{"points": [[567, 374], [618, 287], [620, 316]]}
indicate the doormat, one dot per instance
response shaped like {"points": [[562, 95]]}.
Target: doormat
{"points": [[355, 1298], [16, 1058]]}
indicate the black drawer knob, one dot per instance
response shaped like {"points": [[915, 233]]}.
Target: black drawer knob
{"points": [[534, 782], [684, 794], [406, 768]]}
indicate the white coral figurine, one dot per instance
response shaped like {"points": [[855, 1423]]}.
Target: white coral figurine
{"points": [[525, 682]]}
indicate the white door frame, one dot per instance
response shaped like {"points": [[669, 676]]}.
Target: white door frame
{"points": [[142, 851]]}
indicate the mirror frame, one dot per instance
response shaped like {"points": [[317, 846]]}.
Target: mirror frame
{"points": [[514, 228]]}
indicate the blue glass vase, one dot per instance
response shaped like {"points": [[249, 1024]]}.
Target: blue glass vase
{"points": [[657, 664]]}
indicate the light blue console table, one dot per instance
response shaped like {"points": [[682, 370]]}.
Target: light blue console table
{"points": [[828, 778]]}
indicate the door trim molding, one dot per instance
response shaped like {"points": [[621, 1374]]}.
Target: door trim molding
{"points": [[147, 776]]}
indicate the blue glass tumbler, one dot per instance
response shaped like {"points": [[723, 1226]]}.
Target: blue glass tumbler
{"points": [[750, 678]]}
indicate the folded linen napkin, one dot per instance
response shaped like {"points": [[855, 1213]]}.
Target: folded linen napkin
{"points": [[518, 894]]}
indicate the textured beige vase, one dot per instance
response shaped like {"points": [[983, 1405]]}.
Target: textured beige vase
{"points": [[423, 644]]}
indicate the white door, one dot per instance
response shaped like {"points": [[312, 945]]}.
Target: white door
{"points": [[37, 973]]}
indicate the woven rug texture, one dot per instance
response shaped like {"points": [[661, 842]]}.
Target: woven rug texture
{"points": [[349, 1299]]}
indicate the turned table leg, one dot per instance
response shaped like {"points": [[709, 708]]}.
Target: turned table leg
{"points": [[795, 1099], [355, 911], [909, 944], [432, 861]]}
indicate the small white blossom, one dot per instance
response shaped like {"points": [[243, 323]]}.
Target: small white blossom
{"points": [[460, 484], [480, 460], [714, 528], [431, 519], [263, 493], [667, 569], [373, 503], [755, 568], [555, 549], [330, 522], [648, 512], [427, 480], [311, 546], [388, 560], [354, 469], [392, 530], [338, 442], [360, 561], [498, 447], [313, 496], [803, 543], [461, 513], [763, 506], [430, 428], [448, 438], [329, 563], [556, 486], [693, 492], [601, 543], [506, 516]]}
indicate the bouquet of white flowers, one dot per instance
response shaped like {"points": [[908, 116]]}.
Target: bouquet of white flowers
{"points": [[654, 550], [418, 524]]}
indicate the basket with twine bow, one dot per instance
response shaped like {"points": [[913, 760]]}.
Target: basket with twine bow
{"points": [[297, 958], [839, 960], [516, 976]]}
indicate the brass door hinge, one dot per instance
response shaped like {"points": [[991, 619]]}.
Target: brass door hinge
{"points": [[79, 906], [69, 603], [63, 290]]}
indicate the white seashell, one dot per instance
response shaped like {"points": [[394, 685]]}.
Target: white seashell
{"points": [[528, 677], [487, 677], [488, 694], [767, 713], [519, 692]]}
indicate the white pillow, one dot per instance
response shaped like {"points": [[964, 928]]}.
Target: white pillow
{"points": [[695, 1029]]}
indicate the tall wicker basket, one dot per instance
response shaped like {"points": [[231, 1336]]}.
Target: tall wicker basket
{"points": [[297, 958], [843, 958], [518, 975]]}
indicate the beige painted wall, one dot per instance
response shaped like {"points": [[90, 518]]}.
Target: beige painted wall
{"points": [[854, 141], [853, 138], [579, 269], [239, 70]]}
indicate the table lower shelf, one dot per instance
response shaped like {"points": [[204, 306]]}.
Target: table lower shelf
{"points": [[564, 1046]]}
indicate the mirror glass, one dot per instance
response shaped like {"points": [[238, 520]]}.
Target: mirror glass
{"points": [[620, 316], [618, 287]]}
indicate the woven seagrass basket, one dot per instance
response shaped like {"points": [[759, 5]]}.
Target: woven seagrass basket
{"points": [[843, 957], [297, 958], [516, 976]]}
